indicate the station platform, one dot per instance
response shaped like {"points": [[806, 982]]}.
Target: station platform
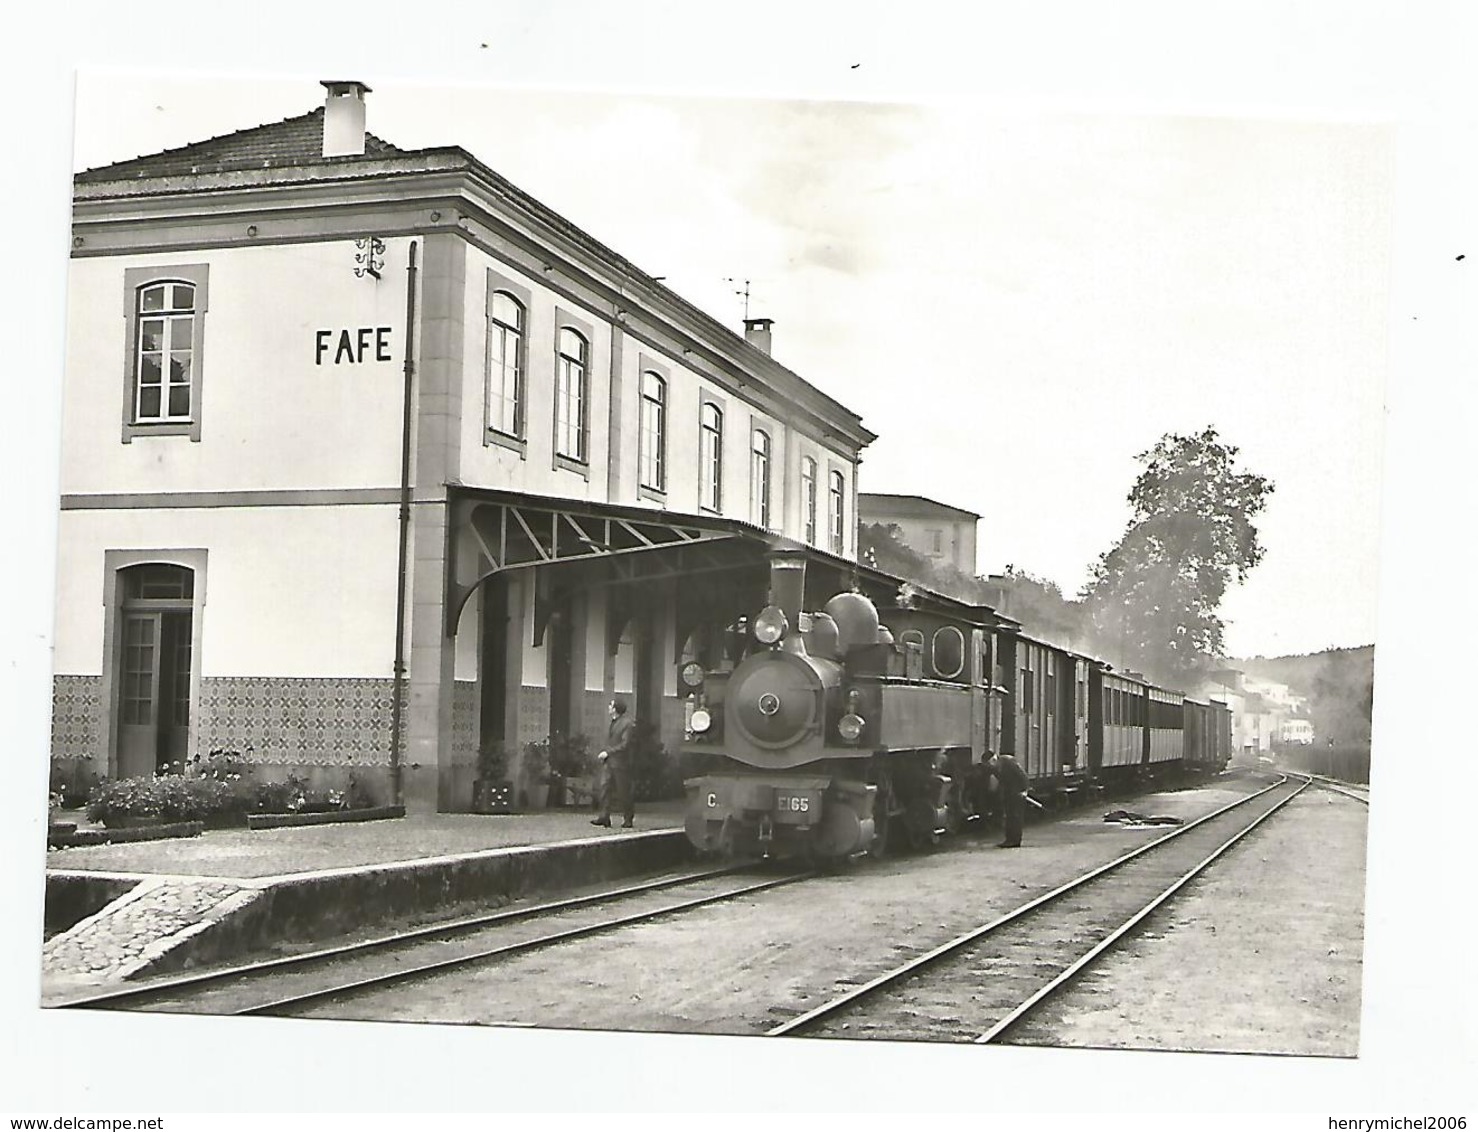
{"points": [[133, 909]]}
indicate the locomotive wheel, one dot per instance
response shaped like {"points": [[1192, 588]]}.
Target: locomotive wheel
{"points": [[954, 812], [922, 835], [886, 824]]}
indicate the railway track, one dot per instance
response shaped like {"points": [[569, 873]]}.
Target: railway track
{"points": [[282, 985], [979, 986], [1349, 790]]}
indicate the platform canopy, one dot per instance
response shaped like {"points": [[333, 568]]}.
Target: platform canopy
{"points": [[494, 532]]}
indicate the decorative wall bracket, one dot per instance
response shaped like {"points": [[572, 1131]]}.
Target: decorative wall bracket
{"points": [[370, 257]]}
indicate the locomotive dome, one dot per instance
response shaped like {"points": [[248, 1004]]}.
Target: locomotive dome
{"points": [[856, 618]]}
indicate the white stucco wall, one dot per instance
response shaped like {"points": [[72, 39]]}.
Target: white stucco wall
{"points": [[274, 415], [289, 591]]}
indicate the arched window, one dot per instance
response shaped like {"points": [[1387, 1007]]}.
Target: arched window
{"points": [[164, 361], [653, 431], [505, 364], [808, 496], [759, 478], [570, 395], [711, 457], [838, 513]]}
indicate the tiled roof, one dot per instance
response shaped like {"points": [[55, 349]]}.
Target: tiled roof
{"points": [[889, 504], [299, 142], [293, 141]]}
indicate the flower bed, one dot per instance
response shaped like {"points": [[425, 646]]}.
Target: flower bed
{"points": [[220, 791], [323, 817], [55, 839]]}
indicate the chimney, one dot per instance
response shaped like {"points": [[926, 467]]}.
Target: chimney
{"points": [[757, 332], [343, 119]]}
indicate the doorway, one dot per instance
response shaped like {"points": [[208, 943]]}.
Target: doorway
{"points": [[155, 667]]}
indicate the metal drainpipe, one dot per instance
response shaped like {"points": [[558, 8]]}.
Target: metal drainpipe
{"points": [[397, 786]]}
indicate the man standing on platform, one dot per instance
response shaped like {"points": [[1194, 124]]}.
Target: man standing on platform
{"points": [[615, 786], [1013, 786]]}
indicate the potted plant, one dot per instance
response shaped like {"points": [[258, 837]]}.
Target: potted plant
{"points": [[492, 792], [655, 772], [533, 775], [571, 768]]}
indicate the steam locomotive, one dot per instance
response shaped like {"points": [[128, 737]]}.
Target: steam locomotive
{"points": [[853, 728]]}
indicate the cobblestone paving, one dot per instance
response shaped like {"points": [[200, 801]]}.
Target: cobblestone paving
{"points": [[134, 932]]}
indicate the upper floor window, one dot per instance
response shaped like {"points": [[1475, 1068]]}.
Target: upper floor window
{"points": [[165, 311], [505, 364], [759, 478], [808, 496], [936, 541], [653, 431], [711, 456], [571, 393], [838, 512], [166, 338]]}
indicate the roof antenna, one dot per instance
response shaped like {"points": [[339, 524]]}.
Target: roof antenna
{"points": [[744, 293]]}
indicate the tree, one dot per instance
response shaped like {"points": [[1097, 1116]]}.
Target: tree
{"points": [[882, 545], [1039, 604], [1152, 602]]}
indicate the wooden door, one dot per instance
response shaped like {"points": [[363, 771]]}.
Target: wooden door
{"points": [[138, 699]]}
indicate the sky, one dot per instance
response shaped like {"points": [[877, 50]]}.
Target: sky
{"points": [[1017, 301], [1064, 226]]}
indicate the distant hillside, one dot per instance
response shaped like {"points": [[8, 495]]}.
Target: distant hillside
{"points": [[1299, 670], [1338, 682]]}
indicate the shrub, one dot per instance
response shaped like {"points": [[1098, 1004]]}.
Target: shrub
{"points": [[113, 799], [534, 766], [359, 796], [286, 797], [655, 773], [569, 756], [188, 797], [492, 762]]}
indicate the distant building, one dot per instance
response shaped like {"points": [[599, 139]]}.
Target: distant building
{"points": [[1297, 732], [1264, 713], [938, 531]]}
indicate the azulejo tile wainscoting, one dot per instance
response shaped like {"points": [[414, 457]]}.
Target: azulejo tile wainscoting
{"points": [[78, 730], [312, 722]]}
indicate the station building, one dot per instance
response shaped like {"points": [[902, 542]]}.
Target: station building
{"points": [[358, 438]]}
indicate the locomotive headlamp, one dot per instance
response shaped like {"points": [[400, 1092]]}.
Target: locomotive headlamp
{"points": [[770, 625], [701, 721], [849, 727], [691, 674]]}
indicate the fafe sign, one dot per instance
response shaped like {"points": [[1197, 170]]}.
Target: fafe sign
{"points": [[352, 346]]}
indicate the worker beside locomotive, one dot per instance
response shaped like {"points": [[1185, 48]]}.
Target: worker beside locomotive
{"points": [[855, 728]]}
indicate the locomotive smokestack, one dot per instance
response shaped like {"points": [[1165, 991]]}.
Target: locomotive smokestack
{"points": [[788, 584]]}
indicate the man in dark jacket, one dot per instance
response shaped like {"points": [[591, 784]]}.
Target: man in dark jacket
{"points": [[616, 782], [1013, 786]]}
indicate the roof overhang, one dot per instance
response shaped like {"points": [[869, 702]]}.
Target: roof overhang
{"points": [[491, 532]]}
